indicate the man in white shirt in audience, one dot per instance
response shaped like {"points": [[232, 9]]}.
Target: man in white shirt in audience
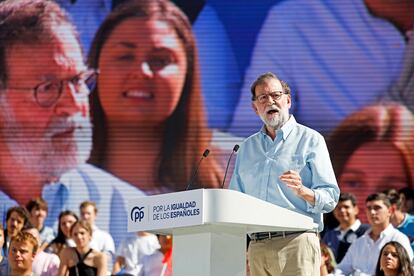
{"points": [[362, 256]]}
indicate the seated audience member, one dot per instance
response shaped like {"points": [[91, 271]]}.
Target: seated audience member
{"points": [[160, 262], [131, 252], [4, 264], [394, 261], [23, 247], [82, 259], [373, 150], [407, 198], [63, 239], [38, 210], [147, 108], [45, 124], [349, 229], [327, 260], [44, 264], [362, 255], [399, 219], [101, 240], [16, 218]]}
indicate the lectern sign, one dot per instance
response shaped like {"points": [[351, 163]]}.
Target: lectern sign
{"points": [[164, 211], [210, 226]]}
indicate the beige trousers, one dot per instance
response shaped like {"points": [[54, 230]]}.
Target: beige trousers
{"points": [[293, 255]]}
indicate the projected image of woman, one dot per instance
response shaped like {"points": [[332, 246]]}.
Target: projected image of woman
{"points": [[373, 150], [147, 109]]}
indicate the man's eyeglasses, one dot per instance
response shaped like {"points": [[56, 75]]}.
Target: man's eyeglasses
{"points": [[48, 93], [276, 95]]}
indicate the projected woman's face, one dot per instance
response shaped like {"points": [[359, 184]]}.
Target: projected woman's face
{"points": [[374, 167], [142, 67]]}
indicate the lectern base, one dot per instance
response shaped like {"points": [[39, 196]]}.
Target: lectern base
{"points": [[214, 253]]}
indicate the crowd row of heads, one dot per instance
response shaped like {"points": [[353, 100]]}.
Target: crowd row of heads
{"points": [[20, 218], [38, 204], [25, 234], [349, 209], [402, 199]]}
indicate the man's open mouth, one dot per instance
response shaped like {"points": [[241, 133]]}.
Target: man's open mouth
{"points": [[272, 111]]}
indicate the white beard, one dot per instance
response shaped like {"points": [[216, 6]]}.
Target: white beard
{"points": [[277, 120], [38, 150]]}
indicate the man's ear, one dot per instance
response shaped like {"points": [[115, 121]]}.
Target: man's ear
{"points": [[255, 108], [289, 100]]}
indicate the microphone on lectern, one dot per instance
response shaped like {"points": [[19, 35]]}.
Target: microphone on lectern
{"points": [[205, 154], [235, 149]]}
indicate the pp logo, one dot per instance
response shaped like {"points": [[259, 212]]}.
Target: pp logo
{"points": [[137, 213]]}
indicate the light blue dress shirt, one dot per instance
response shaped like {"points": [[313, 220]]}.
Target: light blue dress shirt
{"points": [[261, 161]]}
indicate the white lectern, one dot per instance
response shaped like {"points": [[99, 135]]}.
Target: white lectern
{"points": [[209, 227]]}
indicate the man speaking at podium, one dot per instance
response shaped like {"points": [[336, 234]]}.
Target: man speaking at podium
{"points": [[286, 164]]}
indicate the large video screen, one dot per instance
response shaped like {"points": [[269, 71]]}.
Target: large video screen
{"points": [[167, 83]]}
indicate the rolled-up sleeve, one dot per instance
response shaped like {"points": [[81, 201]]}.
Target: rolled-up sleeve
{"points": [[323, 180]]}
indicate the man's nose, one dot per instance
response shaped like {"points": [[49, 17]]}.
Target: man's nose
{"points": [[269, 100], [72, 101]]}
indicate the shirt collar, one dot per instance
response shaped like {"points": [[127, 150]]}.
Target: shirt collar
{"points": [[356, 225], [386, 231], [286, 129], [353, 227]]}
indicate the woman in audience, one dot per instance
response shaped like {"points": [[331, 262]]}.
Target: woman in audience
{"points": [[82, 259], [394, 261], [373, 150], [327, 260], [63, 239], [147, 108]]}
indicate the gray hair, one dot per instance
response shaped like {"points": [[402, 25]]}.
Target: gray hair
{"points": [[265, 77], [28, 22]]}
